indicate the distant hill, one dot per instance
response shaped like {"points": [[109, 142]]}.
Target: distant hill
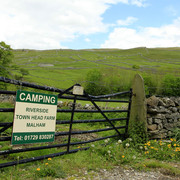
{"points": [[64, 67]]}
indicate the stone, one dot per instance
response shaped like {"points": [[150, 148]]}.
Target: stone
{"points": [[152, 127], [168, 102], [160, 126], [152, 111], [173, 109], [150, 121], [138, 113], [152, 101], [159, 136], [161, 103], [163, 110], [169, 126], [157, 121], [160, 116]]}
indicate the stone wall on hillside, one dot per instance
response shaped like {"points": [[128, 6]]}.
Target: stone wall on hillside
{"points": [[163, 115]]}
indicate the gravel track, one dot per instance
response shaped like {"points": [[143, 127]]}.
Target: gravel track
{"points": [[120, 173]]}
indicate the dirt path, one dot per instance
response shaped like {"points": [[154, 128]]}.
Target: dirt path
{"points": [[121, 173]]}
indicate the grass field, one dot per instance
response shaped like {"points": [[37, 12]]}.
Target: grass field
{"points": [[63, 68]]}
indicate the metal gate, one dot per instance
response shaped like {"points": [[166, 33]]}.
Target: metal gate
{"points": [[118, 126]]}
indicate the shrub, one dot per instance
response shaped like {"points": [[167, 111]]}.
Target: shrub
{"points": [[94, 83], [171, 85]]}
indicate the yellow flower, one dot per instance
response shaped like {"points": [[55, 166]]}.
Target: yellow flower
{"points": [[46, 164], [49, 159], [169, 145], [171, 139], [38, 169], [79, 147], [174, 144], [146, 152], [123, 156]]}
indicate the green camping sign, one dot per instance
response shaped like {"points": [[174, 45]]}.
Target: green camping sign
{"points": [[34, 118]]}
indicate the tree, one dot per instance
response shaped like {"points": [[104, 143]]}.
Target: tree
{"points": [[6, 56]]}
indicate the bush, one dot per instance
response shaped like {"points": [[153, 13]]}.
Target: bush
{"points": [[94, 84], [171, 86]]}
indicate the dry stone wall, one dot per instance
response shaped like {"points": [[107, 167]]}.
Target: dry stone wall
{"points": [[163, 115]]}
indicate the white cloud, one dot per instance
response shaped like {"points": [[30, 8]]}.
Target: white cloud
{"points": [[87, 40], [171, 10], [128, 21], [164, 36], [46, 24], [139, 3]]}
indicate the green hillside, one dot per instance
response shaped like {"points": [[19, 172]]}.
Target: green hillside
{"points": [[63, 68]]}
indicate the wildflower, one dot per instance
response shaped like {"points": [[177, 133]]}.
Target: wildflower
{"points": [[145, 147], [109, 152], [123, 156], [175, 145], [106, 141], [148, 143], [140, 147], [119, 141], [92, 145], [169, 145], [46, 164], [127, 144], [130, 139], [38, 169], [79, 147], [49, 159], [146, 152], [134, 157]]}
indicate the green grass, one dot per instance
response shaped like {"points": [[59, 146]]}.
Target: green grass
{"points": [[71, 66], [102, 155]]}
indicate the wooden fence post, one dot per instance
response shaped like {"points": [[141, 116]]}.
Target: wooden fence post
{"points": [[138, 114]]}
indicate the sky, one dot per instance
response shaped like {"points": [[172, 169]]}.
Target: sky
{"points": [[87, 24]]}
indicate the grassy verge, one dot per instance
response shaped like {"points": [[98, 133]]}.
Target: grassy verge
{"points": [[161, 155]]}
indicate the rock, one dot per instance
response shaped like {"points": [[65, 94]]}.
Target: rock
{"points": [[157, 121], [160, 116], [161, 103], [87, 106], [152, 101], [169, 126], [150, 121], [152, 111], [168, 102], [152, 127], [173, 109], [160, 126]]}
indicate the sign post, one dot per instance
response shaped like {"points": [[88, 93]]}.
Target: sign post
{"points": [[34, 118]]}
